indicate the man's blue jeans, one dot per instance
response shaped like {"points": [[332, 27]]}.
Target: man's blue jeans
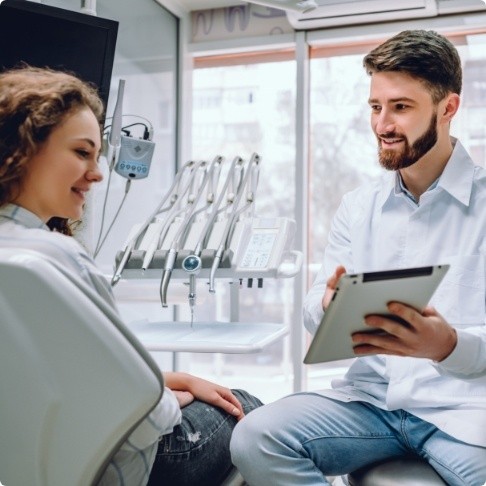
{"points": [[197, 451], [301, 439]]}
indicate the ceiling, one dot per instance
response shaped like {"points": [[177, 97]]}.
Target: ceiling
{"points": [[189, 5]]}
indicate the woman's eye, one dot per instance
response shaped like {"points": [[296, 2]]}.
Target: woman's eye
{"points": [[83, 153]]}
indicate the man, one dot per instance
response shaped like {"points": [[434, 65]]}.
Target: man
{"points": [[422, 389]]}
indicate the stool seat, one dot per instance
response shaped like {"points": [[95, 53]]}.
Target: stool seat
{"points": [[409, 471]]}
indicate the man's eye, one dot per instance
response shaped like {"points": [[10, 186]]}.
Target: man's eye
{"points": [[375, 108]]}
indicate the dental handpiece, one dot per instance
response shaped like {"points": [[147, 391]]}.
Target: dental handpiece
{"points": [[121, 266], [164, 282], [192, 265], [214, 267]]}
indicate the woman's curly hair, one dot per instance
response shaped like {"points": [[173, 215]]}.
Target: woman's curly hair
{"points": [[33, 102]]}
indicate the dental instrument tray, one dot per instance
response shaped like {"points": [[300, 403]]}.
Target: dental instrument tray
{"points": [[208, 337]]}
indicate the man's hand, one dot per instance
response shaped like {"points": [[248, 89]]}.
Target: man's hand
{"points": [[425, 335], [331, 285]]}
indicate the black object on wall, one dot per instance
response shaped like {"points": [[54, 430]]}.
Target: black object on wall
{"points": [[45, 36]]}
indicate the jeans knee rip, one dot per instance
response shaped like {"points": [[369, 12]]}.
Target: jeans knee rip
{"points": [[192, 437]]}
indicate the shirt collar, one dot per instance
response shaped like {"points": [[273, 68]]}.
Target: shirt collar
{"points": [[456, 178], [458, 175], [22, 216]]}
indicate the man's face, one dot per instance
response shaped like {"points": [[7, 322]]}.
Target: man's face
{"points": [[403, 118]]}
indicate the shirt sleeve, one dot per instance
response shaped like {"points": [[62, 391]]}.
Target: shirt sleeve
{"points": [[132, 463], [468, 359], [338, 252], [159, 422]]}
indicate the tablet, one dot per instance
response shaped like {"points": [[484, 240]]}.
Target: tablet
{"points": [[359, 295]]}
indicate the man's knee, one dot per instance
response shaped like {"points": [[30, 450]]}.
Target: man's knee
{"points": [[243, 438]]}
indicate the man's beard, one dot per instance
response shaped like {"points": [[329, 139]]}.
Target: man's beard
{"points": [[394, 160]]}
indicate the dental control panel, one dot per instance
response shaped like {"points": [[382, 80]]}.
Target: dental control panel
{"points": [[134, 158]]}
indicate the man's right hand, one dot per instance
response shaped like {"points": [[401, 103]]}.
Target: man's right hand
{"points": [[331, 285]]}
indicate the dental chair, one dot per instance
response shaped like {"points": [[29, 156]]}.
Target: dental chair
{"points": [[74, 383]]}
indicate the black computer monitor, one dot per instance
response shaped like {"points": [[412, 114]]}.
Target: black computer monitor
{"points": [[41, 36]]}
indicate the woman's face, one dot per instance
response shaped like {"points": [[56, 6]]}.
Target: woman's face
{"points": [[63, 170]]}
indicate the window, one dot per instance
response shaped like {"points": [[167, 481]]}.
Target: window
{"points": [[343, 150], [257, 112], [240, 109]]}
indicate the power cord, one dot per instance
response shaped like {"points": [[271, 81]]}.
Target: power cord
{"points": [[148, 131], [101, 242]]}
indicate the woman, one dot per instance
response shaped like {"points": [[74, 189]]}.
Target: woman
{"points": [[50, 140]]}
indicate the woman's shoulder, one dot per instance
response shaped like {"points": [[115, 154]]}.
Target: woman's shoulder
{"points": [[61, 248]]}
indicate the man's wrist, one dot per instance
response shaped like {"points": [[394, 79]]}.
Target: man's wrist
{"points": [[451, 345]]}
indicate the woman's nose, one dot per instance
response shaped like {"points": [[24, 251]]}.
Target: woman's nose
{"points": [[94, 174]]}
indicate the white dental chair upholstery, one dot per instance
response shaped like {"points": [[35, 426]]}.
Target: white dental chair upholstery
{"points": [[403, 471], [74, 382]]}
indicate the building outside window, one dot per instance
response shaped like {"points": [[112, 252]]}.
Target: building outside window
{"points": [[258, 114]]}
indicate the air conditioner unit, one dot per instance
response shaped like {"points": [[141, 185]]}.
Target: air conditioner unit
{"points": [[460, 6], [333, 13]]}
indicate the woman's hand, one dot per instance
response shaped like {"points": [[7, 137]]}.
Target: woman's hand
{"points": [[185, 386], [183, 397]]}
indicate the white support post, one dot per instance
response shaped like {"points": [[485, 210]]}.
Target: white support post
{"points": [[301, 212]]}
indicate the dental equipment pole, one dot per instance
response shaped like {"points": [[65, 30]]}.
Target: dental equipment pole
{"points": [[131, 244], [174, 248], [114, 141], [88, 7], [255, 159], [115, 132]]}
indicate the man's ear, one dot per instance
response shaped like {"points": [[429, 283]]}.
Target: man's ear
{"points": [[449, 106]]}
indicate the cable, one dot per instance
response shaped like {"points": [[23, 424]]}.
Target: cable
{"points": [[150, 130], [98, 244], [146, 131], [103, 211]]}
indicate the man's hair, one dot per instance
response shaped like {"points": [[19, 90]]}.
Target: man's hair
{"points": [[33, 102], [425, 55]]}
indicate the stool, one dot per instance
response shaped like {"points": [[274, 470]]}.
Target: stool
{"points": [[234, 478], [409, 471]]}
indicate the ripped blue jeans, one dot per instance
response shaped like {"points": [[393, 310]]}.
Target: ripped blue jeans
{"points": [[197, 451]]}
